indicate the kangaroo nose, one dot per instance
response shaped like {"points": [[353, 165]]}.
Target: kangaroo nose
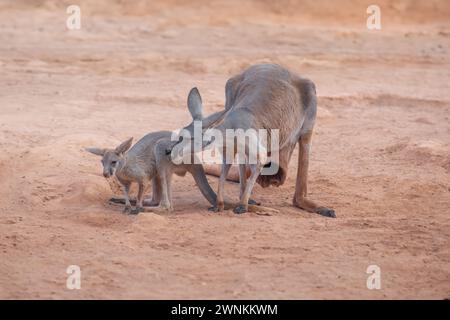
{"points": [[106, 174]]}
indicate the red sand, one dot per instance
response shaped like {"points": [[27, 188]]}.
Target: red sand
{"points": [[381, 150]]}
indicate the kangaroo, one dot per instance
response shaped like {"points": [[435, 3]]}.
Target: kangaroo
{"points": [[265, 96], [154, 164], [147, 160]]}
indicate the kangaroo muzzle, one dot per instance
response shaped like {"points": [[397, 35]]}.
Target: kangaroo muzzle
{"points": [[107, 173]]}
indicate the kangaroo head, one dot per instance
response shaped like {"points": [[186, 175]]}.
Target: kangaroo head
{"points": [[183, 143], [111, 157]]}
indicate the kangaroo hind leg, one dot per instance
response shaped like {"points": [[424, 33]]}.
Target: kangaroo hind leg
{"points": [[156, 192], [301, 187]]}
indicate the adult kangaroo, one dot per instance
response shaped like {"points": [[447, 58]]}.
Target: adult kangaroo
{"points": [[265, 96]]}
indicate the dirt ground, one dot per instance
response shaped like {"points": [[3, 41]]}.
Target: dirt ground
{"points": [[380, 156]]}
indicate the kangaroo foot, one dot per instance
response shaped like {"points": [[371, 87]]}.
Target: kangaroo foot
{"points": [[151, 203], [310, 206], [162, 207], [218, 207], [240, 209], [326, 212], [117, 200], [254, 202], [127, 209], [157, 209], [213, 209], [122, 201], [165, 206], [137, 210]]}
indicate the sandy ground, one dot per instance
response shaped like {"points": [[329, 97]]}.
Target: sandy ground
{"points": [[380, 157]]}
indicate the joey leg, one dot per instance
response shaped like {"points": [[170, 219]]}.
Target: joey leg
{"points": [[139, 206], [126, 194], [156, 193]]}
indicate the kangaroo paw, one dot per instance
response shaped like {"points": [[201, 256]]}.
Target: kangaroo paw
{"points": [[240, 209], [127, 209], [220, 206], [213, 209]]}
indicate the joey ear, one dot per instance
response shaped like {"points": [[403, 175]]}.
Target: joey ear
{"points": [[195, 104], [124, 146], [96, 151]]}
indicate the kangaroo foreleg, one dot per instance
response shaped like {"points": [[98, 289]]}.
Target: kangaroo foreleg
{"points": [[243, 203], [242, 179], [223, 177]]}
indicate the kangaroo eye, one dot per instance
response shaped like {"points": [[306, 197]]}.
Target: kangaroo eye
{"points": [[113, 163], [180, 139]]}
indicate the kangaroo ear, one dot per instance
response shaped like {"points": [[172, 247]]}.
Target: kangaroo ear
{"points": [[195, 104], [96, 151], [124, 146]]}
